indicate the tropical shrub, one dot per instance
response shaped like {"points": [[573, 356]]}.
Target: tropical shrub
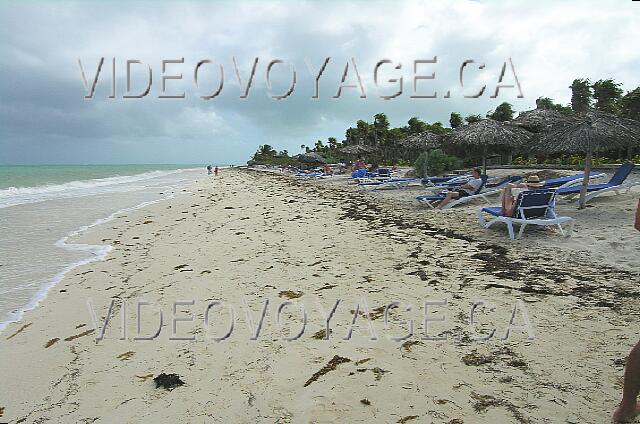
{"points": [[435, 162]]}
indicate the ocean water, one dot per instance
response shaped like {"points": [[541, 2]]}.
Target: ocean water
{"points": [[41, 207]]}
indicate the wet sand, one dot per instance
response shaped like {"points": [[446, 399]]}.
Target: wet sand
{"points": [[249, 237]]}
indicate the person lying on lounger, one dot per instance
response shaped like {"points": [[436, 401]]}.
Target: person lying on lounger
{"points": [[468, 189], [509, 196]]}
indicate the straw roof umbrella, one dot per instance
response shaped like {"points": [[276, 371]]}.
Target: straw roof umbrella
{"points": [[422, 141], [487, 134], [356, 150], [589, 132], [312, 158], [539, 120]]}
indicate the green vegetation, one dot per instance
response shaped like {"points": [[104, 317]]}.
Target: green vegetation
{"points": [[455, 120], [386, 145], [581, 95], [504, 112], [607, 94], [268, 155], [547, 103], [473, 118], [435, 162]]}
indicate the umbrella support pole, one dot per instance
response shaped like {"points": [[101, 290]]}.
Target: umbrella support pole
{"points": [[585, 181]]}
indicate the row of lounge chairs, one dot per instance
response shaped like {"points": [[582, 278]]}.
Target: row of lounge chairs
{"points": [[533, 207], [537, 207]]}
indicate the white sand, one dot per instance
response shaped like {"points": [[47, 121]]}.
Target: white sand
{"points": [[249, 237]]}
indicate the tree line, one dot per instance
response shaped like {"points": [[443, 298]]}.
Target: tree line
{"points": [[604, 95]]}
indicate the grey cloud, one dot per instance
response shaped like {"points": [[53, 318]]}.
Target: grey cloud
{"points": [[44, 118]]}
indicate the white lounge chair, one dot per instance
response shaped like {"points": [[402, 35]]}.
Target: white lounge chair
{"points": [[533, 207], [615, 184]]}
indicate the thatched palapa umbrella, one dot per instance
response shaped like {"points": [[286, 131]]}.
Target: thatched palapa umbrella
{"points": [[356, 150], [591, 132], [539, 120], [488, 134], [311, 158], [422, 141]]}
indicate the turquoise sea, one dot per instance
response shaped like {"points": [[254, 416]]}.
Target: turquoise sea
{"points": [[42, 207], [36, 175]]}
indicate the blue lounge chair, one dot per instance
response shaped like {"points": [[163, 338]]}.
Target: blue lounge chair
{"points": [[568, 181], [616, 184], [443, 182], [446, 178], [503, 182], [311, 174], [432, 200], [359, 173], [384, 173], [533, 207], [392, 182]]}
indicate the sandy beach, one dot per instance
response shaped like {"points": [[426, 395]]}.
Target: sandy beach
{"points": [[259, 243]]}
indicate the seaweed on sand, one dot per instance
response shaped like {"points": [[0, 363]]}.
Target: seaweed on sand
{"points": [[321, 334], [290, 294], [331, 366], [475, 359], [168, 381], [407, 418]]}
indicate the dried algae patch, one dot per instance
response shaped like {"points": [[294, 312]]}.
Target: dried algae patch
{"points": [[476, 359], [126, 356], [409, 343], [407, 418], [77, 336], [289, 294], [331, 366], [51, 342], [20, 330], [321, 334], [168, 381]]}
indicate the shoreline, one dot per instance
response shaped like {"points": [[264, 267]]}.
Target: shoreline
{"points": [[99, 253], [251, 236]]}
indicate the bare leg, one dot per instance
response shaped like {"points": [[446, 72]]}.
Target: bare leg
{"points": [[629, 407], [508, 201], [448, 198]]}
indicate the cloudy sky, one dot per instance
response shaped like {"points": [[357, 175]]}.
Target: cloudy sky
{"points": [[44, 117]]}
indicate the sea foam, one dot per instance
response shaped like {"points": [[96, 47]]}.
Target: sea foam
{"points": [[14, 196]]}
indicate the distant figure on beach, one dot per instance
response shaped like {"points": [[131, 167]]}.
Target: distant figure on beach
{"points": [[327, 169], [215, 171], [360, 164], [509, 196], [629, 407], [209, 169], [466, 190]]}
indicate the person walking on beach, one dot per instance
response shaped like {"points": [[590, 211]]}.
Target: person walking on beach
{"points": [[215, 171], [466, 190], [208, 169], [629, 407]]}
